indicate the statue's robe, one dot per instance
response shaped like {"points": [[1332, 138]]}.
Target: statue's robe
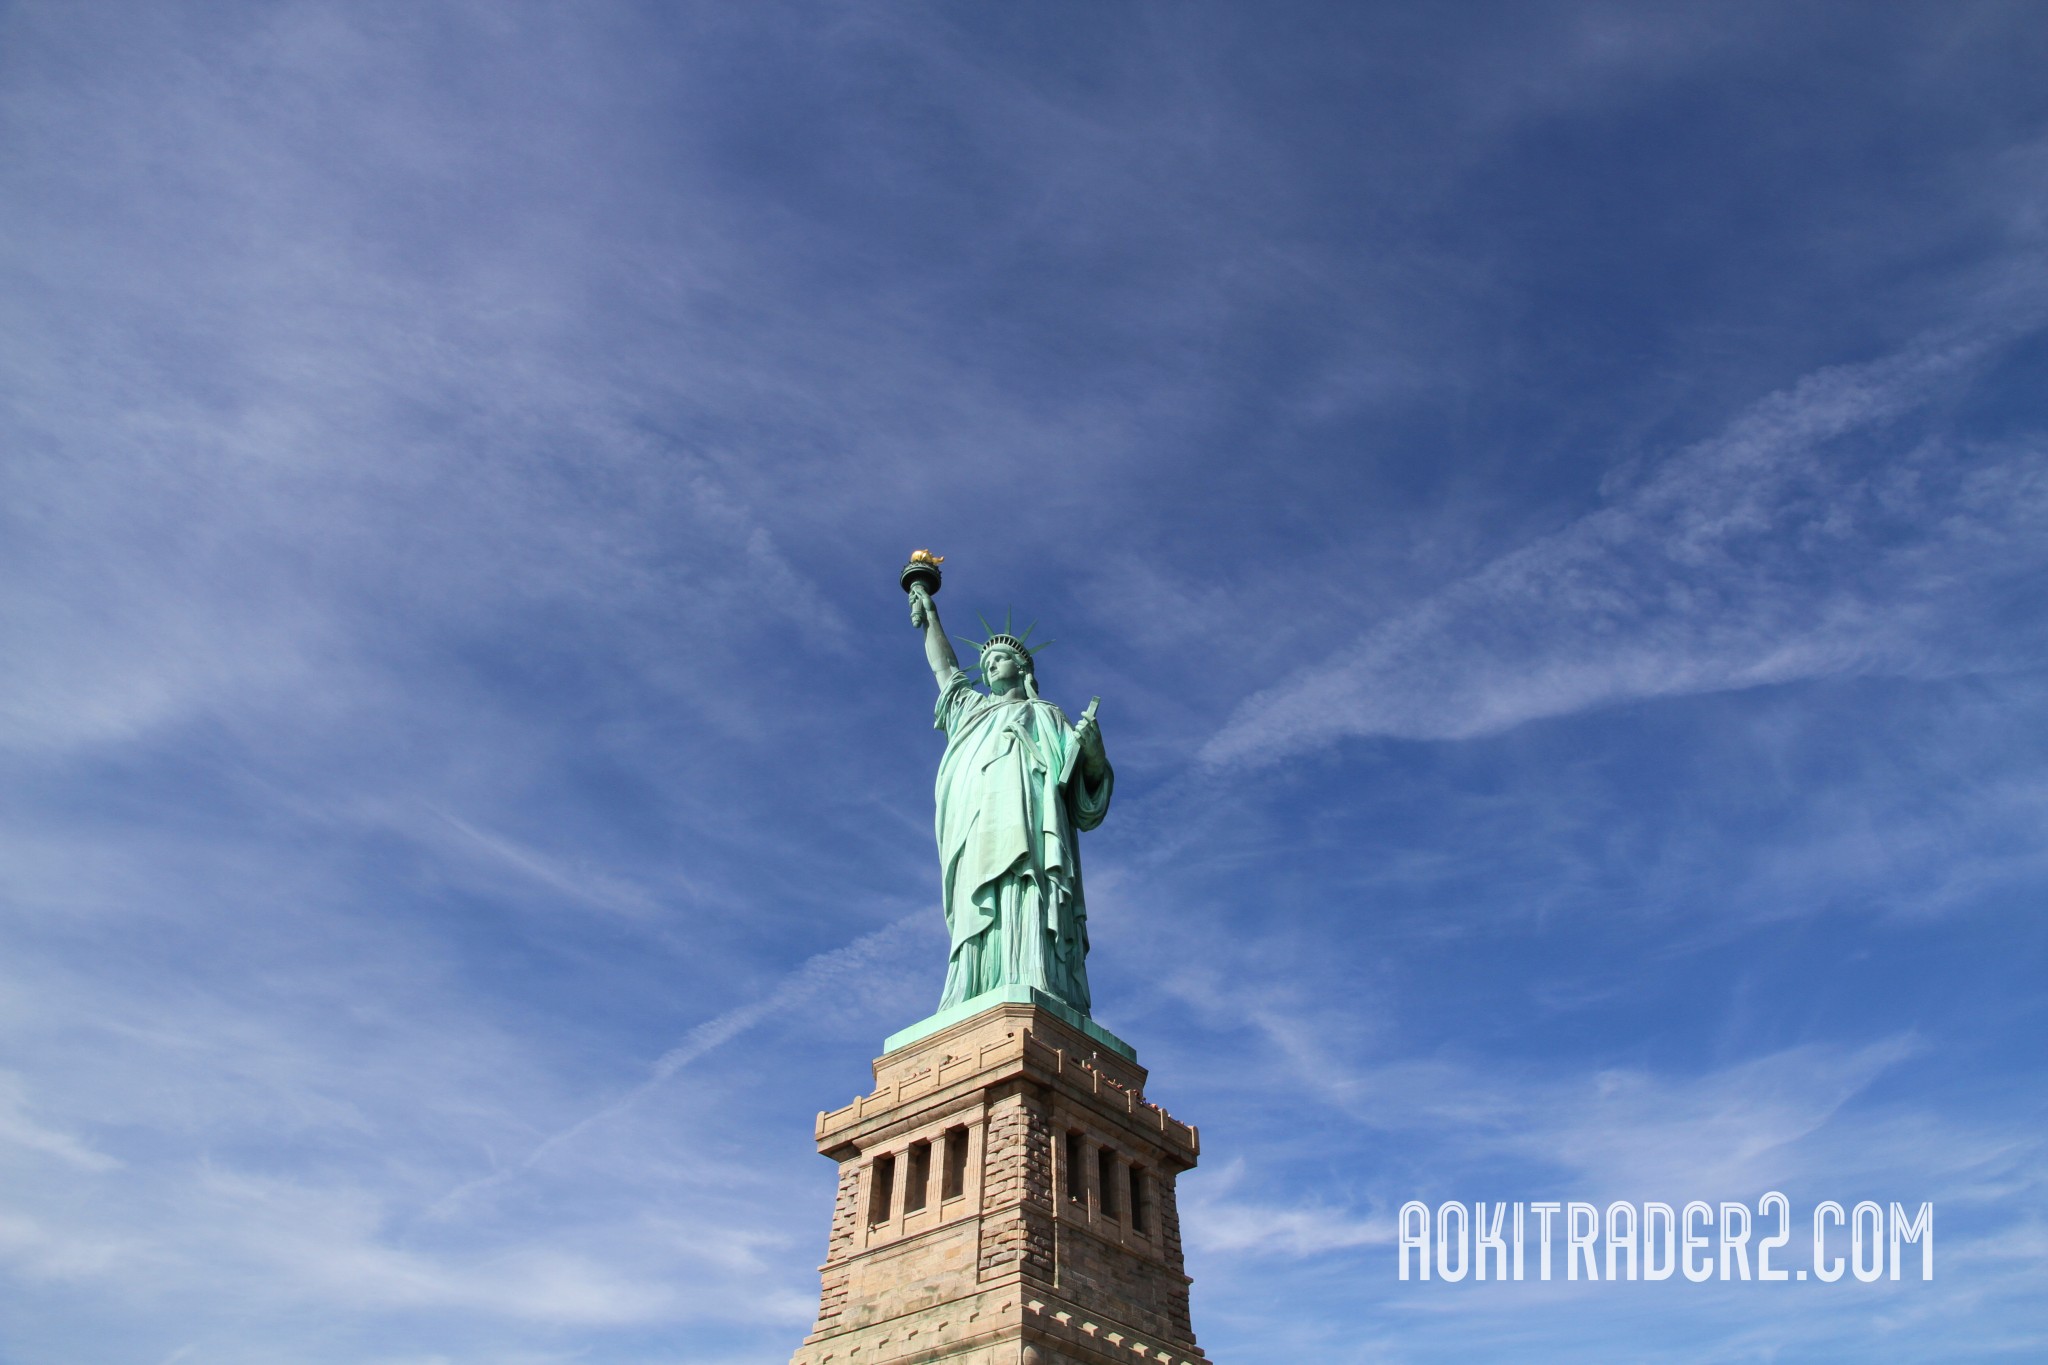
{"points": [[1012, 795]]}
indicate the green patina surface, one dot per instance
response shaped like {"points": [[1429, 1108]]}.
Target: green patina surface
{"points": [[1017, 785]]}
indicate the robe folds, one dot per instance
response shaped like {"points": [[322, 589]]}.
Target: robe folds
{"points": [[1012, 799]]}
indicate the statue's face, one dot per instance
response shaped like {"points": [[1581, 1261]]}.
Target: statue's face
{"points": [[1003, 670]]}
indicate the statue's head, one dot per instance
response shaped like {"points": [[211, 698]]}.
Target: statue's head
{"points": [[1006, 665], [1005, 669]]}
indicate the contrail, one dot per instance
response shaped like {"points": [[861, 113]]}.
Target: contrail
{"points": [[812, 978]]}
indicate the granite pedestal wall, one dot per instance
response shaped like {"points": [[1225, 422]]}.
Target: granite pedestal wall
{"points": [[1006, 1197]]}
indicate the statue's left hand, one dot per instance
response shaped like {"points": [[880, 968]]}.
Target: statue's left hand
{"points": [[1090, 734]]}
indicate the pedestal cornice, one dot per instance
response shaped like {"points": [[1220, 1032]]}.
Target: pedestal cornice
{"points": [[1004, 1042]]}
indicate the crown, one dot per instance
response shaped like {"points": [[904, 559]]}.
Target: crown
{"points": [[1003, 639]]}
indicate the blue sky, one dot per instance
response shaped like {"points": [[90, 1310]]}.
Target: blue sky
{"points": [[1551, 498]]}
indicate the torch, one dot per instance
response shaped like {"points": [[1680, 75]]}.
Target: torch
{"points": [[921, 574]]}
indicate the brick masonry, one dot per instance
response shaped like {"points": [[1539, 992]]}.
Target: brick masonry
{"points": [[1027, 1262]]}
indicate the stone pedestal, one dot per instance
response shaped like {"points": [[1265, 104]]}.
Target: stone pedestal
{"points": [[1006, 1197]]}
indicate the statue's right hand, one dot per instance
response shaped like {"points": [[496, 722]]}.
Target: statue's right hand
{"points": [[918, 603]]}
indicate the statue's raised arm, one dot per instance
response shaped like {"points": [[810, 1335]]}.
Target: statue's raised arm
{"points": [[920, 580], [1017, 785], [924, 614]]}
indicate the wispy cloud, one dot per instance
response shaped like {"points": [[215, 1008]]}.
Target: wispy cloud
{"points": [[1777, 550], [19, 1129], [584, 885], [1218, 1221], [837, 969], [1622, 1127]]}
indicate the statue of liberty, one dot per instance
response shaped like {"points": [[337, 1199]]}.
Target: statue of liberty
{"points": [[1016, 786]]}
